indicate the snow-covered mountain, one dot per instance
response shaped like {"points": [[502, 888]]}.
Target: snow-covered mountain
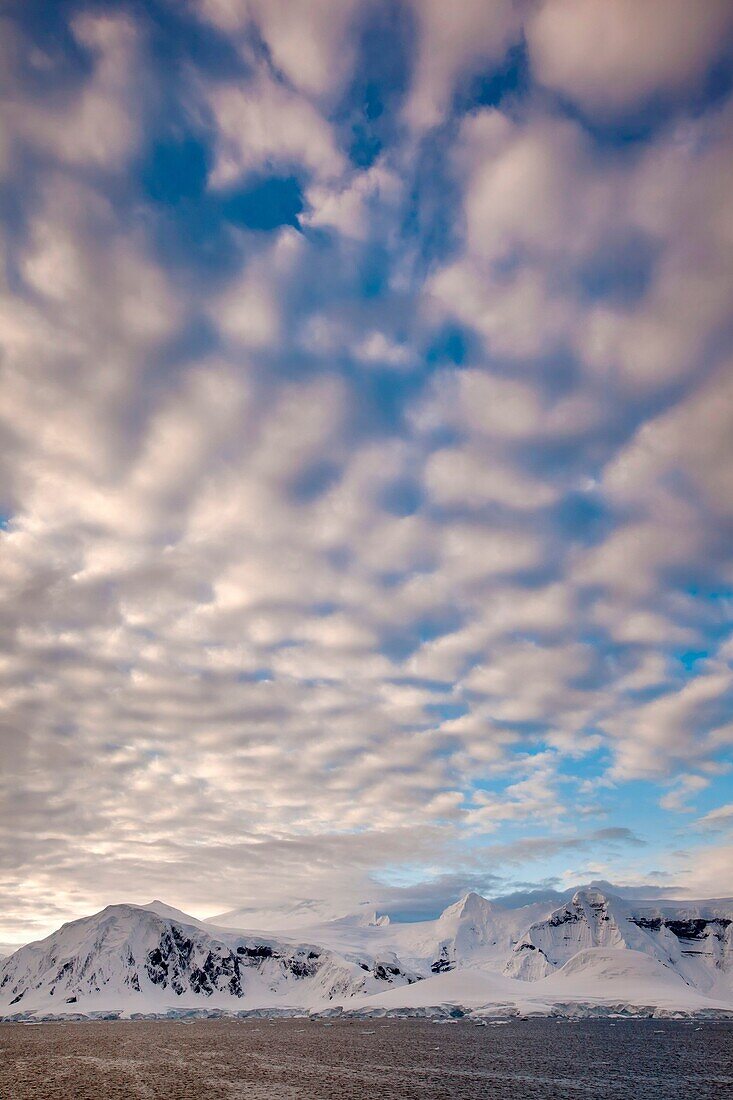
{"points": [[597, 952], [694, 939], [472, 931], [142, 957], [477, 932]]}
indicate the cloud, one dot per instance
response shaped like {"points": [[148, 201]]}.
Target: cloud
{"points": [[532, 849], [541, 209], [611, 55], [350, 206], [247, 313], [330, 547], [100, 126], [694, 438], [464, 477], [535, 796], [519, 205], [450, 43], [708, 874], [266, 126], [675, 200], [719, 818], [655, 735], [618, 833], [307, 41], [686, 787]]}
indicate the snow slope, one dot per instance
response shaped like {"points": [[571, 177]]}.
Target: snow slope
{"points": [[597, 981], [462, 988], [612, 973], [625, 979]]}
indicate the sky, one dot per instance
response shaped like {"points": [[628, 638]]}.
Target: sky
{"points": [[366, 452]]}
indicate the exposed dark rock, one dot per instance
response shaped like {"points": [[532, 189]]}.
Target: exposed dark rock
{"points": [[67, 968], [199, 982], [564, 918], [303, 967], [258, 952], [385, 972], [443, 962], [653, 924], [694, 929]]}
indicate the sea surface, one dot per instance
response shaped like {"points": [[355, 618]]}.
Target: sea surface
{"points": [[395, 1059]]}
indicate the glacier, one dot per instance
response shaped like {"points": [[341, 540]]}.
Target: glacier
{"points": [[595, 954]]}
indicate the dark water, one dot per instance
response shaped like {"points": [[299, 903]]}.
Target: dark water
{"points": [[404, 1060]]}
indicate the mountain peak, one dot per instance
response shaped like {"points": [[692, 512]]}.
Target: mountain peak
{"points": [[589, 896], [470, 905], [169, 912], [473, 904], [593, 897]]}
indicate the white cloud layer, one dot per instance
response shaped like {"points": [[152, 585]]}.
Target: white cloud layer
{"points": [[373, 535], [608, 55]]}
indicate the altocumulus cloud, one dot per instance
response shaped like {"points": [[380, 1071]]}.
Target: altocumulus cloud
{"points": [[366, 449]]}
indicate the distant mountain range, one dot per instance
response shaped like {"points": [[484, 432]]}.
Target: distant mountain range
{"points": [[594, 954]]}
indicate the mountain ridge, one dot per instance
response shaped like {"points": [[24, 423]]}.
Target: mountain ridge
{"points": [[154, 959]]}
